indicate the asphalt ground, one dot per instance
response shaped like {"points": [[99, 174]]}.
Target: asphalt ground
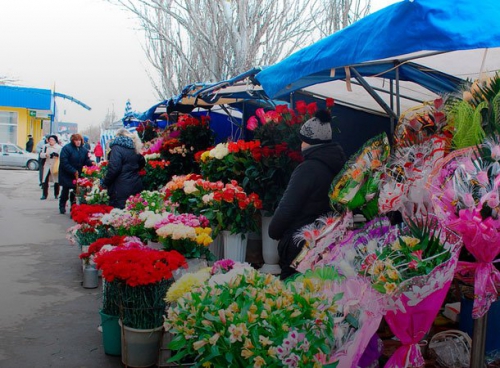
{"points": [[47, 319]]}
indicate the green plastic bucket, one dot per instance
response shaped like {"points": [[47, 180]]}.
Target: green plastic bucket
{"points": [[111, 334]]}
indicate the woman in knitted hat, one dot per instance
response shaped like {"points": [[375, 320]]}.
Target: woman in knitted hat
{"points": [[125, 161], [306, 196]]}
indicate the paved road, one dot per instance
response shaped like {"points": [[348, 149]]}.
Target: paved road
{"points": [[46, 318]]}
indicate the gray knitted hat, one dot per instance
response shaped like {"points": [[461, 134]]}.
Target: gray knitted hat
{"points": [[316, 131]]}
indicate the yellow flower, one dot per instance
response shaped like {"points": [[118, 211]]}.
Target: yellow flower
{"points": [[186, 284], [378, 267], [396, 245], [410, 241], [392, 273], [248, 344], [214, 338], [207, 365], [264, 340], [390, 287], [237, 332], [199, 344], [258, 362], [245, 353], [205, 155], [252, 317]]}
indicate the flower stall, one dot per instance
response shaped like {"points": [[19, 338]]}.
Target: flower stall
{"points": [[361, 265]]}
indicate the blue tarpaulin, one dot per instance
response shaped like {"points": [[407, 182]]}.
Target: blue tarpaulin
{"points": [[408, 30]]}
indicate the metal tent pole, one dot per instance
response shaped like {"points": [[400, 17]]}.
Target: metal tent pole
{"points": [[479, 342]]}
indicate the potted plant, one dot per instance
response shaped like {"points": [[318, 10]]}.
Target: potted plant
{"points": [[186, 233], [143, 276]]}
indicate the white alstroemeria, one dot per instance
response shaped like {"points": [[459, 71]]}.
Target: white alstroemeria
{"points": [[225, 278]]}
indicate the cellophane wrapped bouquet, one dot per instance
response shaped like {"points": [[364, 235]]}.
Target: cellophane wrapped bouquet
{"points": [[466, 196]]}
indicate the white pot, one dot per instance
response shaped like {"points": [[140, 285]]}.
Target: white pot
{"points": [[269, 249], [217, 248], [235, 246], [140, 348]]}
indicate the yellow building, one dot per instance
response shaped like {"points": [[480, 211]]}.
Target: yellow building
{"points": [[24, 111]]}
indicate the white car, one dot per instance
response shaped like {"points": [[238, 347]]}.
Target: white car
{"points": [[14, 156]]}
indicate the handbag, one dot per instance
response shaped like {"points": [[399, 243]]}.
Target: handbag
{"points": [[55, 166]]}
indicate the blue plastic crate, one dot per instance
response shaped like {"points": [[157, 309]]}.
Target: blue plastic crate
{"points": [[493, 324]]}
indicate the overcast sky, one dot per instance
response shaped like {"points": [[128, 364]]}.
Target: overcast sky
{"points": [[88, 49]]}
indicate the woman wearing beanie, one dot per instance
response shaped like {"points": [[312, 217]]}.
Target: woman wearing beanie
{"points": [[306, 196], [125, 161]]}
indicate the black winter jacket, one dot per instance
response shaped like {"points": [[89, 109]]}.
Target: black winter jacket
{"points": [[305, 198], [72, 160], [122, 178]]}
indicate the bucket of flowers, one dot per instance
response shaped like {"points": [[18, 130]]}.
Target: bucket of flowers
{"points": [[143, 276], [186, 233], [89, 225], [89, 184]]}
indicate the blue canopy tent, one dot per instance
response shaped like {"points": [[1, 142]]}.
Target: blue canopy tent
{"points": [[455, 37], [226, 102], [391, 60]]}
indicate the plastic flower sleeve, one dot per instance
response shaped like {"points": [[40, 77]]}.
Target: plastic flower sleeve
{"points": [[482, 240], [403, 186], [319, 237], [350, 188], [463, 188], [358, 305], [413, 308], [369, 305]]}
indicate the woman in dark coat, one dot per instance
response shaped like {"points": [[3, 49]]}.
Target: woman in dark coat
{"points": [[306, 196], [124, 163], [73, 158]]}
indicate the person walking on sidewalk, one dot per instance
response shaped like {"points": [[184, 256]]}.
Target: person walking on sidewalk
{"points": [[73, 158], [30, 143], [98, 152], [50, 153], [41, 161]]}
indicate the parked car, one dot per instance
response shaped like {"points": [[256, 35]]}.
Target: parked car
{"points": [[14, 156]]}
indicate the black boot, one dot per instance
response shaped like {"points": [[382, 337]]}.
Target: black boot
{"points": [[45, 190], [56, 190]]}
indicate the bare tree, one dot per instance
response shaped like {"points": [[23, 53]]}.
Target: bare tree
{"points": [[6, 80], [338, 14], [191, 41]]}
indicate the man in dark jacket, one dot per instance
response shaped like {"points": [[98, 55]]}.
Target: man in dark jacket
{"points": [[30, 143], [306, 196], [72, 159], [124, 163]]}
